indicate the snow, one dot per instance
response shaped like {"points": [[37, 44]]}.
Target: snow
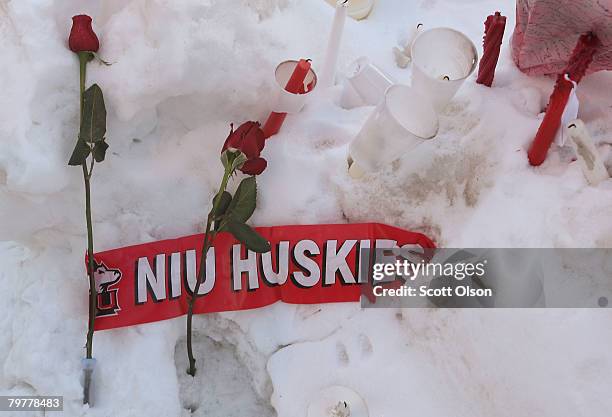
{"points": [[183, 71]]}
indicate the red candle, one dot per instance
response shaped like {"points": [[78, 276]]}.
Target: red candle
{"points": [[582, 56], [495, 26], [295, 85], [579, 62]]}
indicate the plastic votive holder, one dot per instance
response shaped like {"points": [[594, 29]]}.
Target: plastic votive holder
{"points": [[401, 121], [285, 101], [365, 84], [442, 58]]}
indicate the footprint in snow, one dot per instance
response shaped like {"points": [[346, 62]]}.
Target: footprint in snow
{"points": [[342, 353], [365, 344]]}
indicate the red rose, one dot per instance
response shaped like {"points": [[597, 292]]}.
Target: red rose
{"points": [[82, 37], [254, 166], [248, 139]]}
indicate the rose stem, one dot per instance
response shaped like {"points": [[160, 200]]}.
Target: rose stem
{"points": [[84, 58], [208, 238]]}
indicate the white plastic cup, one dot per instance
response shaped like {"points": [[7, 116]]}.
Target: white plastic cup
{"points": [[284, 101], [365, 84], [442, 58], [88, 366], [401, 121]]}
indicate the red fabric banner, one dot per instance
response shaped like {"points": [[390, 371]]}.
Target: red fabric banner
{"points": [[307, 265]]}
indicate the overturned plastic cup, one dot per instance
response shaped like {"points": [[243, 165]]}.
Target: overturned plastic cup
{"points": [[442, 59], [365, 84], [286, 101], [402, 120]]}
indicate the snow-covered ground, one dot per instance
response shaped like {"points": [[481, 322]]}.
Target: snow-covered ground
{"points": [[183, 70]]}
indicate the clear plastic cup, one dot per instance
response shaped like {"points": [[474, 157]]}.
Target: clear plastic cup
{"points": [[365, 84], [442, 58], [88, 366], [401, 121], [284, 101]]}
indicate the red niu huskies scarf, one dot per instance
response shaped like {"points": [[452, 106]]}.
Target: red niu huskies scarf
{"points": [[307, 265]]}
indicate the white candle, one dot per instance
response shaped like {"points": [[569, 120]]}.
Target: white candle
{"points": [[337, 401], [591, 163], [357, 9], [341, 409], [403, 55], [328, 75]]}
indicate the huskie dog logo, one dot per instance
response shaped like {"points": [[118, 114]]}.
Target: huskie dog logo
{"points": [[108, 299]]}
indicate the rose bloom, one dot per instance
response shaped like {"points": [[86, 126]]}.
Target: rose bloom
{"points": [[82, 37], [248, 139]]}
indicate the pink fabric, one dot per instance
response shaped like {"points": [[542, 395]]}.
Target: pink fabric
{"points": [[546, 33]]}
